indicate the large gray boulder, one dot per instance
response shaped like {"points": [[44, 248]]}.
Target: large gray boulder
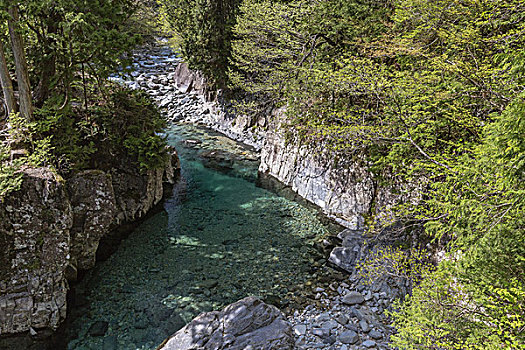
{"points": [[246, 324]]}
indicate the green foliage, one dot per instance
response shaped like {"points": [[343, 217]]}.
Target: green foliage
{"points": [[80, 121], [405, 264], [476, 298], [37, 152], [10, 177], [123, 131], [73, 44], [204, 29], [426, 90], [131, 120]]}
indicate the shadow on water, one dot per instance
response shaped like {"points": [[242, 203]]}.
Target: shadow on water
{"points": [[219, 238]]}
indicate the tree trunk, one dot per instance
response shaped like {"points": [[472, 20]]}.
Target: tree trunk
{"points": [[48, 67], [5, 80], [22, 73]]}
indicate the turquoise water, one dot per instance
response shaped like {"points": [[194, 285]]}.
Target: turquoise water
{"points": [[219, 239]]}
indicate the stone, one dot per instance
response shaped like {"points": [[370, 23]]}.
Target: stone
{"points": [[342, 319], [353, 298], [364, 326], [319, 332], [330, 325], [246, 324], [369, 344], [299, 329], [209, 284], [98, 329], [325, 316], [375, 334], [329, 340], [343, 257], [348, 337], [110, 343]]}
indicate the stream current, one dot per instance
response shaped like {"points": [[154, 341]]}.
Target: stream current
{"points": [[219, 238]]}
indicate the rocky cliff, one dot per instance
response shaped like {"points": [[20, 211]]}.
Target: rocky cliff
{"points": [[51, 228], [343, 188]]}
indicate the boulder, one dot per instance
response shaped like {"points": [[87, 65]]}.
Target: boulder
{"points": [[246, 324], [344, 257], [353, 298]]}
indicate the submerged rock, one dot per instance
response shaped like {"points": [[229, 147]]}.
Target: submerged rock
{"points": [[246, 324], [98, 329]]}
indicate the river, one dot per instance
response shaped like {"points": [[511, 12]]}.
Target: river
{"points": [[219, 238]]}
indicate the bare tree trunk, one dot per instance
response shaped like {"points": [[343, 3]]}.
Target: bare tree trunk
{"points": [[5, 80], [22, 73]]}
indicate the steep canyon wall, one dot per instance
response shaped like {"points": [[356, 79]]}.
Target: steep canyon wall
{"points": [[51, 228]]}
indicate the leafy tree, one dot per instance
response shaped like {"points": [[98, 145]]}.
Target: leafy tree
{"points": [[70, 47], [204, 28], [476, 299], [430, 91], [58, 46]]}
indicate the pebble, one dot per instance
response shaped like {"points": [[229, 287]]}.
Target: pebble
{"points": [[342, 319], [364, 326], [318, 332], [300, 329], [353, 298], [330, 324], [348, 337], [369, 343], [375, 334]]}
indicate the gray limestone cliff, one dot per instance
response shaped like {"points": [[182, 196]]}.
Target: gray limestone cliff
{"points": [[343, 187], [51, 228], [35, 224], [214, 111]]}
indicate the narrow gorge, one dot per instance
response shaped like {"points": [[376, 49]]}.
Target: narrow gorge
{"points": [[262, 175], [220, 237]]}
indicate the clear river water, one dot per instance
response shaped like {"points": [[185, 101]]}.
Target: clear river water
{"points": [[219, 238]]}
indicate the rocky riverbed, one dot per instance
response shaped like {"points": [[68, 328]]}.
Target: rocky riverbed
{"points": [[325, 300]]}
